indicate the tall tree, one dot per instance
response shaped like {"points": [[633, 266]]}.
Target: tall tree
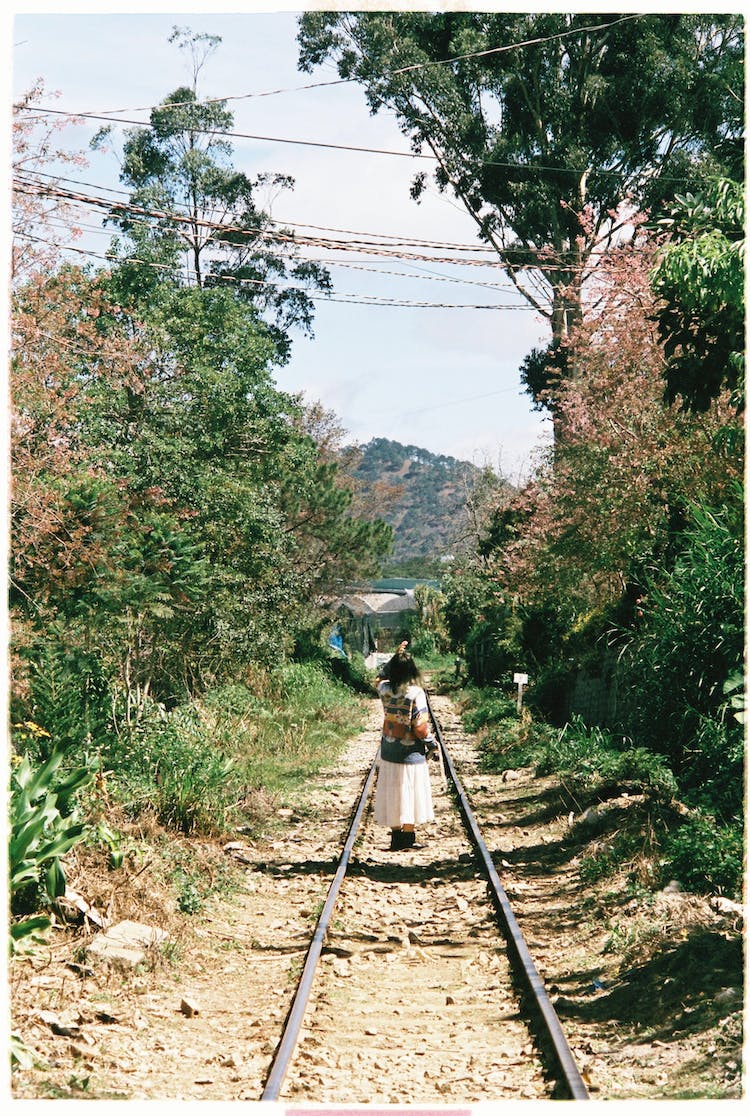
{"points": [[629, 464], [538, 119], [41, 222], [188, 203]]}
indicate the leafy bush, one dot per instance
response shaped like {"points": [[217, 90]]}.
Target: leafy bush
{"points": [[487, 707], [166, 765], [204, 767], [594, 758], [507, 740], [352, 671], [549, 691], [704, 856], [69, 695]]}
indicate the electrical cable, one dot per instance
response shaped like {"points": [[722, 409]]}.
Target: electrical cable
{"points": [[526, 168], [279, 237], [540, 41], [396, 238], [349, 299], [421, 274]]}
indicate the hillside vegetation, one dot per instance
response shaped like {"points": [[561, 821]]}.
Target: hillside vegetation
{"points": [[424, 497]]}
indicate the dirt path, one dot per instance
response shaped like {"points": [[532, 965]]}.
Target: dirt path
{"points": [[647, 990]]}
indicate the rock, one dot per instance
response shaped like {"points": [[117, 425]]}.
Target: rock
{"points": [[59, 1026], [74, 908], [726, 996], [125, 944], [189, 1008], [592, 816], [726, 906], [674, 887], [239, 850]]}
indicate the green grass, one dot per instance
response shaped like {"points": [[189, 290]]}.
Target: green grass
{"points": [[690, 844], [226, 760]]}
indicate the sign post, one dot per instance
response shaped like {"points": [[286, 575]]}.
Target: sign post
{"points": [[521, 680]]}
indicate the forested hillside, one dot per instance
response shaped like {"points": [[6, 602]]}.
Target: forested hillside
{"points": [[424, 497]]}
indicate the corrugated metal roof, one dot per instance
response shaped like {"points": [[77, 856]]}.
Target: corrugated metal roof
{"points": [[376, 604]]}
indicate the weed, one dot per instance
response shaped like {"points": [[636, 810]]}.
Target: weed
{"points": [[189, 898], [705, 856]]}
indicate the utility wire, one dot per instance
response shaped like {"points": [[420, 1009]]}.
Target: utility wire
{"points": [[292, 240], [526, 168], [398, 240], [422, 274], [364, 300], [540, 41]]}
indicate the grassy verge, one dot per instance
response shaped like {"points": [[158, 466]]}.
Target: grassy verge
{"points": [[627, 795], [172, 782], [228, 760]]}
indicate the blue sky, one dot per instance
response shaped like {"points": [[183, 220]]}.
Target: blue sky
{"points": [[443, 379]]}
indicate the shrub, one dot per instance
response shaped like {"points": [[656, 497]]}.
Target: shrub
{"points": [[549, 691], [690, 644], [595, 758], [488, 706], [171, 768], [704, 856], [69, 695]]}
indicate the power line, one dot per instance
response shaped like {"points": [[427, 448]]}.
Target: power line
{"points": [[455, 402], [349, 299], [292, 240], [526, 168], [422, 274], [539, 41], [398, 240]]}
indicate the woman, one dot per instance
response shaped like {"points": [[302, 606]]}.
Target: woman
{"points": [[403, 798]]}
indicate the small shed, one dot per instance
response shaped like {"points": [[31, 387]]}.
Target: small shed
{"points": [[373, 619]]}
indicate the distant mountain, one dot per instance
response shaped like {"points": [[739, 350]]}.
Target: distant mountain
{"points": [[421, 495]]}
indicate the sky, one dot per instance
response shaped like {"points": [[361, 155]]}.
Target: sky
{"points": [[445, 380]]}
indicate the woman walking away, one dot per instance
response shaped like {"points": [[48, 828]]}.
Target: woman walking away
{"points": [[403, 797]]}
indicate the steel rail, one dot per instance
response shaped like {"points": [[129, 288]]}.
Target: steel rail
{"points": [[552, 1030], [293, 1024]]}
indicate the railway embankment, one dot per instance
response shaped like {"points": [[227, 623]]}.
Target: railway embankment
{"points": [[647, 985]]}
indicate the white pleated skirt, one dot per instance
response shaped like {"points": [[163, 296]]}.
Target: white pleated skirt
{"points": [[403, 795]]}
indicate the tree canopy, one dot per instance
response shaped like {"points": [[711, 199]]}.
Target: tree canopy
{"points": [[537, 120], [700, 281], [175, 515]]}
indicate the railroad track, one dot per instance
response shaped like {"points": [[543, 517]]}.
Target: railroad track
{"points": [[417, 983]]}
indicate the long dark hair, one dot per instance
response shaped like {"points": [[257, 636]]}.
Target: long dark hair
{"points": [[402, 670]]}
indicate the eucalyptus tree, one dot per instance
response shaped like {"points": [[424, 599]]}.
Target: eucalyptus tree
{"points": [[193, 218], [548, 127]]}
